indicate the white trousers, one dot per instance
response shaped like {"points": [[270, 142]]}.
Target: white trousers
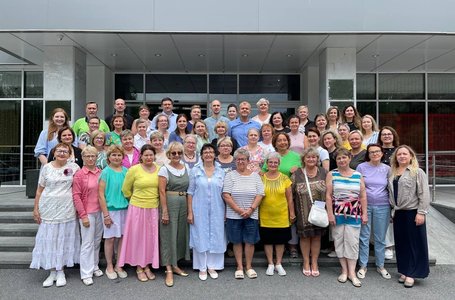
{"points": [[90, 246], [206, 260]]}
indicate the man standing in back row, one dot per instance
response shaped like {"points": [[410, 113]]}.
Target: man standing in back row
{"points": [[81, 125], [216, 116], [119, 109], [166, 105], [238, 129]]}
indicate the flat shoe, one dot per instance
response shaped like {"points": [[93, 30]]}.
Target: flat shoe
{"points": [[383, 273], [251, 273], [98, 273], [280, 270], [169, 281], [402, 279], [355, 282], [315, 273], [239, 274], [213, 274], [203, 276], [110, 275], [87, 281], [270, 270], [50, 279], [408, 283], [180, 272], [61, 279], [342, 278], [362, 272], [121, 273]]}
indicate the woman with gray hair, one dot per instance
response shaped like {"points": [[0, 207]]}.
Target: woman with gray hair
{"points": [[277, 213], [190, 157], [243, 191], [132, 154], [263, 116], [310, 235], [224, 158], [257, 154]]}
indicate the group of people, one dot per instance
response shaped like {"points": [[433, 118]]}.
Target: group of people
{"points": [[157, 190]]}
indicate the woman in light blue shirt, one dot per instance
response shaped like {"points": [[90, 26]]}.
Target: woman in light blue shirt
{"points": [[206, 210]]}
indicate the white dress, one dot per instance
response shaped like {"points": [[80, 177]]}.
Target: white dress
{"points": [[57, 242]]}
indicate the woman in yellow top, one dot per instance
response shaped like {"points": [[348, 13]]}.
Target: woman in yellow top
{"points": [[140, 240], [277, 213]]}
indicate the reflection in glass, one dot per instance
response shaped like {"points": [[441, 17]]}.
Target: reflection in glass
{"points": [[223, 88], [273, 87], [341, 89], [366, 86], [408, 119], [441, 86], [33, 124], [401, 86], [10, 84], [51, 105], [176, 86], [33, 84], [10, 124], [367, 108], [129, 86]]}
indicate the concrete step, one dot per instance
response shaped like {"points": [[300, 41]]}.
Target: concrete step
{"points": [[12, 229], [15, 260], [16, 217], [17, 244], [11, 206]]}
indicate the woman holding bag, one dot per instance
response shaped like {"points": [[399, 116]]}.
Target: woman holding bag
{"points": [[310, 235]]}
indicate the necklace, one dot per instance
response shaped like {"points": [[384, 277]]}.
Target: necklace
{"points": [[190, 157]]}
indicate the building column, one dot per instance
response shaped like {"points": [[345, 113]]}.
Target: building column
{"points": [[337, 64], [64, 69], [100, 84]]}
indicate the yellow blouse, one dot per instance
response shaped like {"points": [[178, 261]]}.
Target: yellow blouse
{"points": [[141, 187]]}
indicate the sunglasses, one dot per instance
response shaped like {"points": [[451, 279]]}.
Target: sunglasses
{"points": [[175, 153]]}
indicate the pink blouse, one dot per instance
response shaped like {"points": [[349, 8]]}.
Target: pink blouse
{"points": [[85, 191]]}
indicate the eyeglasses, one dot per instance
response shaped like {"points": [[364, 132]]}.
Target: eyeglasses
{"points": [[90, 156], [175, 153], [375, 152], [58, 151], [225, 146], [190, 143], [208, 152]]}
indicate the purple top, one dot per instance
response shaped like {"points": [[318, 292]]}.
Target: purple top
{"points": [[375, 183]]}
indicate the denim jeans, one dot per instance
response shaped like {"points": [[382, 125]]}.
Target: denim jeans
{"points": [[379, 218]]}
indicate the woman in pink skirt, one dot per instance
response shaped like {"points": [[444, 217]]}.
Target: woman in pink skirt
{"points": [[140, 241]]}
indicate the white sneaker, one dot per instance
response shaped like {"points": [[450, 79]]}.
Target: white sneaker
{"points": [[87, 281], [332, 254], [202, 275], [213, 274], [280, 270], [61, 279], [388, 253], [98, 273], [270, 270], [50, 279]]}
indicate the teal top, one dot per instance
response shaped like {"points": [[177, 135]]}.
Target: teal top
{"points": [[115, 200], [287, 162], [112, 138]]}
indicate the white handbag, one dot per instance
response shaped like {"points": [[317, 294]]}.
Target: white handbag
{"points": [[318, 215]]}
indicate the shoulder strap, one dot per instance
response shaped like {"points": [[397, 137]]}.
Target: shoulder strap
{"points": [[308, 186]]}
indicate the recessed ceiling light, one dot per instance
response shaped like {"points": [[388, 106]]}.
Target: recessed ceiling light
{"points": [[289, 55], [157, 54], [113, 54], [375, 55], [201, 55], [244, 55]]}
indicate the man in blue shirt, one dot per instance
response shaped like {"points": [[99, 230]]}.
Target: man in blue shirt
{"points": [[216, 116], [238, 129], [167, 105]]}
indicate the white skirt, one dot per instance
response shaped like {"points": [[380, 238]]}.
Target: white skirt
{"points": [[117, 228], [56, 246]]}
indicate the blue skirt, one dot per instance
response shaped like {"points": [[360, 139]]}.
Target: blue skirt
{"points": [[411, 245]]}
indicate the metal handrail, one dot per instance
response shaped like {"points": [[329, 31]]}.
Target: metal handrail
{"points": [[434, 166]]}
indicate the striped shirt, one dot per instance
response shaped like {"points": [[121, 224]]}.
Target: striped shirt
{"points": [[243, 190], [346, 192]]}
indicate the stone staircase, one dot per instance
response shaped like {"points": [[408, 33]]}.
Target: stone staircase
{"points": [[17, 233]]}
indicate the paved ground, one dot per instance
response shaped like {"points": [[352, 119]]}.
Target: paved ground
{"points": [[26, 284]]}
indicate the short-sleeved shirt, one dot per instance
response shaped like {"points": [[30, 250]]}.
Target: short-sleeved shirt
{"points": [[243, 190], [274, 209], [56, 201], [287, 162], [115, 200], [141, 187]]}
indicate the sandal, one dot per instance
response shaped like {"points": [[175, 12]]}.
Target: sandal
{"points": [[402, 279], [315, 273], [149, 273], [251, 273], [409, 282], [239, 274], [355, 281], [307, 273], [141, 275], [179, 272], [383, 273], [169, 281]]}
